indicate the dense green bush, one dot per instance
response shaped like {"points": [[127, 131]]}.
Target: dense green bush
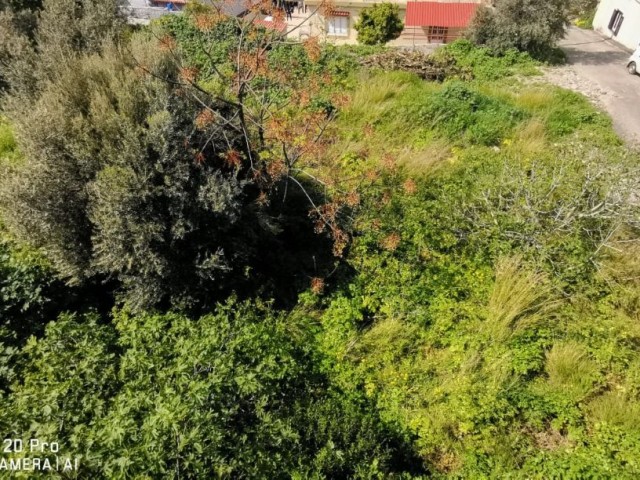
{"points": [[115, 184], [25, 289], [35, 42], [460, 112], [379, 24], [120, 184], [486, 64], [233, 394], [527, 25], [25, 278], [157, 173], [190, 40]]}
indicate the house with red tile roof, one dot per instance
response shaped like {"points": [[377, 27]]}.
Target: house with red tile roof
{"points": [[435, 21], [438, 22]]}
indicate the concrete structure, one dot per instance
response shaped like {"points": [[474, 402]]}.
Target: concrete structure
{"points": [[620, 21]]}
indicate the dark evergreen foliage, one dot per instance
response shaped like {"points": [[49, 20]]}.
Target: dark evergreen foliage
{"points": [[528, 25]]}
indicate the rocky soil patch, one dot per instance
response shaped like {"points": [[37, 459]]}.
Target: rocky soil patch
{"points": [[565, 76]]}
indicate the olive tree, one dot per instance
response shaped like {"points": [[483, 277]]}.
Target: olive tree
{"points": [[178, 163], [527, 25]]}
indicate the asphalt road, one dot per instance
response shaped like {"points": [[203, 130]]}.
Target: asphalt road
{"points": [[599, 62]]}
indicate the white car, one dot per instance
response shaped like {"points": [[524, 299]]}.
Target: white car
{"points": [[633, 64]]}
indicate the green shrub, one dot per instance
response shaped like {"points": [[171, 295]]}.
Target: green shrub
{"points": [[527, 25], [486, 64], [235, 393], [29, 296], [460, 112], [123, 182], [379, 24], [25, 278], [190, 40], [570, 369]]}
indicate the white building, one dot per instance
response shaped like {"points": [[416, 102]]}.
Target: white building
{"points": [[619, 20]]}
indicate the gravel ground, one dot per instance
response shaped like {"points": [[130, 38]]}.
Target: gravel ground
{"points": [[567, 77], [597, 68]]}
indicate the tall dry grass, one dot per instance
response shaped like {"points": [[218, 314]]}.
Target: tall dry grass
{"points": [[520, 297]]}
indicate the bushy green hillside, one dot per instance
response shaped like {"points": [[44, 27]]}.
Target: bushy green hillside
{"points": [[493, 307], [480, 318]]}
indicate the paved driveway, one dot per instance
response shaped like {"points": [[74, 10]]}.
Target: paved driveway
{"points": [[597, 68]]}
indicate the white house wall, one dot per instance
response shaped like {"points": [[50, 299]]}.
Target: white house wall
{"points": [[629, 34]]}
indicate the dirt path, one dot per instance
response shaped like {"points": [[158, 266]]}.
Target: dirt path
{"points": [[597, 69]]}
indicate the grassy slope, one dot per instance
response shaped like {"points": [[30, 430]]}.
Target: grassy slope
{"points": [[486, 317]]}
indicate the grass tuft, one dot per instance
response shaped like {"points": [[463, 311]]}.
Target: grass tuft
{"points": [[570, 369], [614, 409], [519, 298]]}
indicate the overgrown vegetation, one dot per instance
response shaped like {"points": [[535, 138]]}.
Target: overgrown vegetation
{"points": [[583, 12], [481, 321], [484, 262]]}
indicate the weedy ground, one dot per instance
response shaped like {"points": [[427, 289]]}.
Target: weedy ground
{"points": [[494, 311]]}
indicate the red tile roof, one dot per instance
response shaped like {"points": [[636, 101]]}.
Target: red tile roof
{"points": [[439, 14], [278, 25]]}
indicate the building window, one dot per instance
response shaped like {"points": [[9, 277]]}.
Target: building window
{"points": [[616, 21], [338, 26], [437, 34]]}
